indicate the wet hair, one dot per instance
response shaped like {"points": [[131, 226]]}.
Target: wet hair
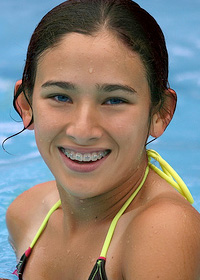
{"points": [[134, 26]]}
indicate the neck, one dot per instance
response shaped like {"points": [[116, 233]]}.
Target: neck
{"points": [[80, 212]]}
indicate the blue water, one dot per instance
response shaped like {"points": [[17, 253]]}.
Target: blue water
{"points": [[180, 145]]}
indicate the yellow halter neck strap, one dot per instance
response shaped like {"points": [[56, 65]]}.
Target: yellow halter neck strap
{"points": [[119, 214], [169, 174]]}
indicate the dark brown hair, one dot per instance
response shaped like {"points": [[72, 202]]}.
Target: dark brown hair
{"points": [[126, 19]]}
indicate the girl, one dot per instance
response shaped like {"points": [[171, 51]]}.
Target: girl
{"points": [[94, 88]]}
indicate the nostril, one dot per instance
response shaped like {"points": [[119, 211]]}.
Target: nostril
{"points": [[83, 135]]}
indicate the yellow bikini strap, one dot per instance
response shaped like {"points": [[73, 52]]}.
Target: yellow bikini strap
{"points": [[112, 226], [119, 214], [43, 225], [170, 175]]}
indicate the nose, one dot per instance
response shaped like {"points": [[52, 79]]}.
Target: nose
{"points": [[84, 126]]}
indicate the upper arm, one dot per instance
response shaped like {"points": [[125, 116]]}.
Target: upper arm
{"points": [[26, 213], [17, 216], [165, 245]]}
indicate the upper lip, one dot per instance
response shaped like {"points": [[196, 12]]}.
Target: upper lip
{"points": [[84, 150]]}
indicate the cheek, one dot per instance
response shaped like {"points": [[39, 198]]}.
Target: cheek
{"points": [[44, 126], [133, 126]]}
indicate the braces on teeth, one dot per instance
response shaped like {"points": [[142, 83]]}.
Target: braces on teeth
{"points": [[85, 157]]}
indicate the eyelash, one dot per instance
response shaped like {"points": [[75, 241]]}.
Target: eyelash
{"points": [[117, 101], [110, 101], [64, 98]]}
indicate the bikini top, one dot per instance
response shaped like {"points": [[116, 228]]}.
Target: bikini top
{"points": [[98, 272]]}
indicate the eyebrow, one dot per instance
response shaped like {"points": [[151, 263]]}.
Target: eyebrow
{"points": [[101, 88], [115, 87], [60, 84]]}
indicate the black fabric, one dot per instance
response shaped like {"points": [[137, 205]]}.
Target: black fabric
{"points": [[98, 272], [21, 266]]}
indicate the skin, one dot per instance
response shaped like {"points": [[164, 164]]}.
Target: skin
{"points": [[158, 232]]}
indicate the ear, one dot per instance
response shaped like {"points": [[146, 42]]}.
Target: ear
{"points": [[161, 119], [23, 107]]}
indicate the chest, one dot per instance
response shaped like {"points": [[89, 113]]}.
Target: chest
{"points": [[52, 258]]}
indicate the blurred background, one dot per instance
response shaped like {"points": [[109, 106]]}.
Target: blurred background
{"points": [[180, 145]]}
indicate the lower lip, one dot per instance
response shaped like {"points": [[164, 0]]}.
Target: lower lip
{"points": [[82, 167]]}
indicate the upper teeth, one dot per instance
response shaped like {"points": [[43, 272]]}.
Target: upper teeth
{"points": [[84, 156]]}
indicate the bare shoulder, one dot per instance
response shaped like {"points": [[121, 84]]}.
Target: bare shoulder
{"points": [[163, 242], [27, 211]]}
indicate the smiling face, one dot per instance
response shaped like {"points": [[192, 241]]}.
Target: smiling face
{"points": [[91, 106]]}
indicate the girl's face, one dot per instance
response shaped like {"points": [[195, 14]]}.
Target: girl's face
{"points": [[91, 104]]}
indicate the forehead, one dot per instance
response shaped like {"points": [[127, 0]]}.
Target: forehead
{"points": [[102, 54]]}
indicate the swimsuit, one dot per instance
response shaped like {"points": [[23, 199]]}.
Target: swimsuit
{"points": [[98, 272]]}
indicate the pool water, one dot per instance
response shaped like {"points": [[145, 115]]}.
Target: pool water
{"points": [[180, 145]]}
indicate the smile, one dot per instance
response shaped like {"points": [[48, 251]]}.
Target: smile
{"points": [[84, 157]]}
